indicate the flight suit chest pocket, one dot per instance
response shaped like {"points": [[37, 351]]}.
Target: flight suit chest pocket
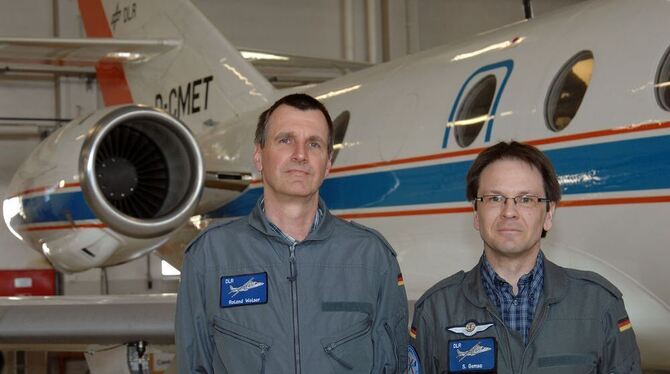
{"points": [[241, 350], [351, 350], [567, 363]]}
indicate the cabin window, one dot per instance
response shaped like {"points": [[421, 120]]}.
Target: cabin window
{"points": [[340, 124], [662, 83], [567, 91], [474, 111]]}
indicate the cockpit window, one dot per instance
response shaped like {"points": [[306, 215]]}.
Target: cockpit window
{"points": [[567, 91], [340, 124], [474, 111], [662, 83]]}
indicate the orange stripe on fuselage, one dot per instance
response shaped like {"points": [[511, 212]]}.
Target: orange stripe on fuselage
{"points": [[617, 201], [65, 227], [111, 76], [536, 142], [474, 151], [566, 204], [400, 213]]}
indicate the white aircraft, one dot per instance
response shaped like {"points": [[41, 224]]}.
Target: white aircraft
{"points": [[250, 284], [589, 85], [474, 351]]}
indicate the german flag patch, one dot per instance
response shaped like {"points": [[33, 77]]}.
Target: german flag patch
{"points": [[401, 281], [624, 324], [412, 332]]}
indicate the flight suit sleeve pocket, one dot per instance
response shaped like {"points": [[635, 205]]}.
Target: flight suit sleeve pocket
{"points": [[241, 349], [351, 350], [396, 330]]}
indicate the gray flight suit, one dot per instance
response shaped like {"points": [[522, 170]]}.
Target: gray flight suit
{"points": [[580, 326], [251, 302]]}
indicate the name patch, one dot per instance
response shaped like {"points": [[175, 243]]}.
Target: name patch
{"points": [[472, 355], [244, 289]]}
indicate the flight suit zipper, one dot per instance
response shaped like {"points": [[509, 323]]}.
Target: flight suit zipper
{"points": [[330, 347], [507, 345], [293, 279], [533, 333], [389, 331]]}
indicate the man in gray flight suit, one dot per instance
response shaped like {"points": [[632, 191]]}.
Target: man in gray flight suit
{"points": [[290, 288], [515, 311]]}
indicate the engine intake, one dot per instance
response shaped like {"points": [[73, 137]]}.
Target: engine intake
{"points": [[141, 171]]}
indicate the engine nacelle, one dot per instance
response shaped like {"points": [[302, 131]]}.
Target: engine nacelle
{"points": [[106, 188]]}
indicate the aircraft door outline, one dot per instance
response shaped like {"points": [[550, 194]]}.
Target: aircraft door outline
{"points": [[491, 69]]}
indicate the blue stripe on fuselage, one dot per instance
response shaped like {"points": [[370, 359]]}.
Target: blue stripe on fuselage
{"points": [[628, 165], [56, 207]]}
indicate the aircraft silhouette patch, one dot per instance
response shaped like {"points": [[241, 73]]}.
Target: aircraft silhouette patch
{"points": [[472, 355], [244, 289]]}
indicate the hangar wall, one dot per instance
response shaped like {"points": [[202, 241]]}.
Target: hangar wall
{"points": [[448, 21], [370, 30]]}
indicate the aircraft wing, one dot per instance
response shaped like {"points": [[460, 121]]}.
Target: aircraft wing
{"points": [[81, 52], [75, 322], [64, 54]]}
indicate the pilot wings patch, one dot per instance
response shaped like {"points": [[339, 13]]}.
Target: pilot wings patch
{"points": [[470, 328]]}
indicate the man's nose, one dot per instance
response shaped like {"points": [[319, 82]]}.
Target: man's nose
{"points": [[299, 151], [509, 208]]}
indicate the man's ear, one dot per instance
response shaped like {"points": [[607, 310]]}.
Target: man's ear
{"points": [[549, 218], [475, 216], [257, 158], [329, 165]]}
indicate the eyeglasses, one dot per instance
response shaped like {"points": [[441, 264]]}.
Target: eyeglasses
{"points": [[521, 201]]}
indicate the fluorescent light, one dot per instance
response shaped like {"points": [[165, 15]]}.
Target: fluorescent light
{"points": [[262, 56], [128, 56]]}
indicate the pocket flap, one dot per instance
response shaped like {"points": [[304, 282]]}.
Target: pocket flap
{"points": [[565, 360], [242, 333], [359, 328]]}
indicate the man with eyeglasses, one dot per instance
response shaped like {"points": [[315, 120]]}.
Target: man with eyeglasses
{"points": [[516, 311]]}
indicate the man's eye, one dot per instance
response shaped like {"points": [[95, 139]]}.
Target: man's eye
{"points": [[315, 145], [525, 199], [284, 140], [496, 198]]}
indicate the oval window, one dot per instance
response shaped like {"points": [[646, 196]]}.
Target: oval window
{"points": [[663, 82], [567, 90], [340, 124], [474, 111]]}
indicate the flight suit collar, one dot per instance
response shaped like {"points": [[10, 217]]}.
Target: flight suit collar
{"points": [[555, 282], [555, 285], [473, 288], [258, 220]]}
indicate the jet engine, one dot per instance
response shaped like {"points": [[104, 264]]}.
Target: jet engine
{"points": [[106, 188]]}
